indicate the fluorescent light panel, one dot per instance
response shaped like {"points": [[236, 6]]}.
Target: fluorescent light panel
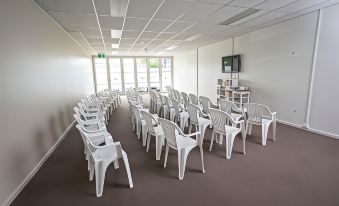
{"points": [[114, 52], [237, 17], [118, 8], [116, 34], [171, 48], [115, 46]]}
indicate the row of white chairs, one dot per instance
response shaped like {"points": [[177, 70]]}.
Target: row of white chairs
{"points": [[100, 149]]}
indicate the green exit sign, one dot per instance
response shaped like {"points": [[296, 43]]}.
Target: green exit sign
{"points": [[101, 55]]}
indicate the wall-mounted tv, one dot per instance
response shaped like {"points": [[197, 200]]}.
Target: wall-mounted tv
{"points": [[231, 64]]}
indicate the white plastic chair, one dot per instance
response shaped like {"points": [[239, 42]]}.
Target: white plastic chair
{"points": [[101, 157], [89, 125], [186, 99], [169, 91], [177, 96], [206, 104], [231, 109], [219, 122], [154, 129], [260, 114], [194, 99], [196, 119], [168, 108], [180, 114], [140, 124], [181, 142]]}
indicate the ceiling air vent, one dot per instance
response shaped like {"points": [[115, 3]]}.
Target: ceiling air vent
{"points": [[239, 16]]}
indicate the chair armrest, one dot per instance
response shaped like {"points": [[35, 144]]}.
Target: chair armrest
{"points": [[190, 134]]}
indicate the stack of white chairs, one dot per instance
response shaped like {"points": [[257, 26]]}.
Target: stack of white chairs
{"points": [[99, 147]]}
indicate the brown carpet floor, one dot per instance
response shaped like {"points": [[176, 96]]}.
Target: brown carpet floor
{"points": [[301, 168]]}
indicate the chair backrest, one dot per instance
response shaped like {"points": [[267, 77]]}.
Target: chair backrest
{"points": [[193, 112], [167, 101], [226, 106], [169, 91], [177, 106], [186, 98], [219, 120], [136, 112], [79, 113], [151, 122], [177, 95], [170, 130], [257, 112], [194, 99], [205, 102]]}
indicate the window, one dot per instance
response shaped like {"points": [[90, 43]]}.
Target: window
{"points": [[115, 73], [142, 74], [101, 74], [128, 72], [166, 69], [154, 67], [139, 72]]}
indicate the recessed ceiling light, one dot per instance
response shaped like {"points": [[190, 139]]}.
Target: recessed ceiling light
{"points": [[118, 8], [115, 46], [114, 52], [116, 34], [171, 48], [239, 16], [160, 53], [194, 37]]}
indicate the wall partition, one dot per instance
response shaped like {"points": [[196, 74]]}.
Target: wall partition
{"points": [[122, 73]]}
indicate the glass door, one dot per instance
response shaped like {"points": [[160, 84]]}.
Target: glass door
{"points": [[142, 74], [101, 78], [115, 73], [128, 64], [166, 73], [154, 72]]}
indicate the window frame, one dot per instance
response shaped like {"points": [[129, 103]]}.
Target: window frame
{"points": [[107, 58]]}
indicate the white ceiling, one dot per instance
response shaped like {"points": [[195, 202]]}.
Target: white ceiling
{"points": [[155, 25]]}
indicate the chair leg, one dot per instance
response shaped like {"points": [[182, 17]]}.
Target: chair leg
{"points": [[91, 169], [202, 159], [166, 155], [182, 156], [190, 128], [144, 133], [158, 142], [148, 142], [125, 158], [229, 144], [264, 131], [99, 177], [250, 129], [274, 130], [212, 139]]}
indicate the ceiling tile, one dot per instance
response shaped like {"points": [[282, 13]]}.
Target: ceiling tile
{"points": [[166, 35], [112, 40], [221, 2], [182, 36], [263, 19], [148, 35], [223, 14], [76, 6], [135, 24], [299, 5], [48, 5], [171, 42], [109, 22], [91, 33], [130, 34], [199, 11], [245, 3], [143, 41], [75, 20], [127, 41], [247, 18], [94, 40], [142, 8], [273, 4], [157, 25], [171, 9], [179, 26], [103, 7]]}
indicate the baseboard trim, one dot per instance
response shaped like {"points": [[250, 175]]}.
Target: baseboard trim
{"points": [[309, 129], [22, 185]]}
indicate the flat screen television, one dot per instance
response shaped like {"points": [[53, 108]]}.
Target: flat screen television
{"points": [[231, 64]]}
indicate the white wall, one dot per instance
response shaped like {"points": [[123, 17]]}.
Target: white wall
{"points": [[209, 61], [43, 73], [185, 72], [277, 63], [324, 109]]}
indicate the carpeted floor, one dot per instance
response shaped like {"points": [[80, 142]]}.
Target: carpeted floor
{"points": [[301, 168]]}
